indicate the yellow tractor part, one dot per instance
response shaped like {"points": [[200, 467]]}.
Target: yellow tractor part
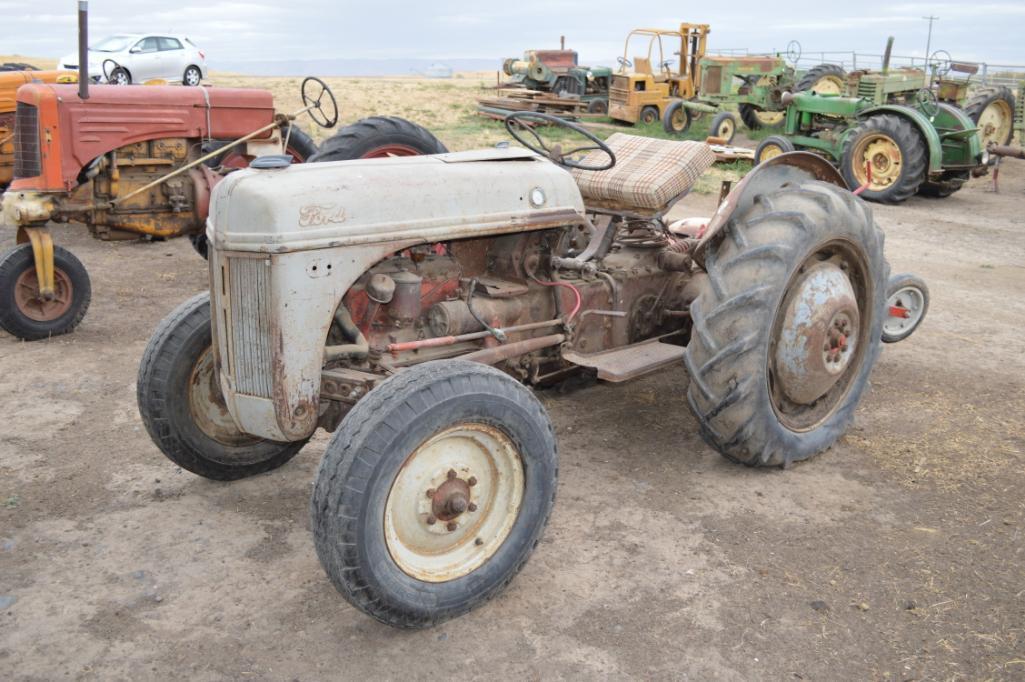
{"points": [[42, 251], [652, 85]]}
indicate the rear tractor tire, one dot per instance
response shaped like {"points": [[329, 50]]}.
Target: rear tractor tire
{"points": [[992, 109], [787, 332], [433, 492], [824, 79], [755, 118], [182, 407], [378, 137], [28, 315], [896, 152]]}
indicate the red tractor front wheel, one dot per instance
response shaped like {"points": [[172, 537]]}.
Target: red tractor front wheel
{"points": [[29, 315]]}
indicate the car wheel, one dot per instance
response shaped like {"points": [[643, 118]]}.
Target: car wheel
{"points": [[192, 76], [120, 76]]}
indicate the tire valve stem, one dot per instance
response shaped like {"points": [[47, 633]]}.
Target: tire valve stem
{"points": [[431, 520], [452, 525]]}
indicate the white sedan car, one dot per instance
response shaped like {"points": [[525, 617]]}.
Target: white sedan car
{"points": [[137, 58]]}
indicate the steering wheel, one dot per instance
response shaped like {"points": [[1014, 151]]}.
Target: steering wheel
{"points": [[625, 63], [317, 111], [793, 51], [940, 62], [521, 120], [667, 65], [108, 72], [927, 102]]}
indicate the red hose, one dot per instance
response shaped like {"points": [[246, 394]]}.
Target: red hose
{"points": [[576, 292], [868, 180]]}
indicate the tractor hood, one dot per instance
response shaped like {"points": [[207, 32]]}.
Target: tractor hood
{"points": [[399, 200]]}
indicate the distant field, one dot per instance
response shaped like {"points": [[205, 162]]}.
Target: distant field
{"points": [[445, 106]]}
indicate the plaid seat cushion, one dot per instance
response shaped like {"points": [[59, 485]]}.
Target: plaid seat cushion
{"points": [[648, 174]]}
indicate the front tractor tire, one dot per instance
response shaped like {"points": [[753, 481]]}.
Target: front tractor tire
{"points": [[885, 154], [182, 407], [676, 119], [723, 127], [378, 137], [28, 315], [785, 336], [433, 492]]}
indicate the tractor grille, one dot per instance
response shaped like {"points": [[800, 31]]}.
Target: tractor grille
{"points": [[244, 307], [867, 90], [27, 163]]}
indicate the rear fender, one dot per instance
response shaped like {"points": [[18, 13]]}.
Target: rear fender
{"points": [[920, 121], [792, 167]]}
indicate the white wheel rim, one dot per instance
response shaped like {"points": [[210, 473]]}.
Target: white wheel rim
{"points": [[909, 299], [426, 535], [192, 77]]}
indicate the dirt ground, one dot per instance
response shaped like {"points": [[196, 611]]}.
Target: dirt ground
{"points": [[899, 554]]}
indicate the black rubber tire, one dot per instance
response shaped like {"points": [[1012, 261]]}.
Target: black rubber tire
{"points": [[749, 270], [947, 184], [114, 75], [648, 115], [913, 150], [185, 76], [783, 143], [984, 97], [365, 136], [667, 118], [200, 244], [749, 115], [896, 283], [14, 321], [598, 106], [717, 123], [816, 73], [371, 445], [162, 394]]}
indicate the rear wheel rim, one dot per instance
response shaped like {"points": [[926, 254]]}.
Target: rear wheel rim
{"points": [[829, 85], [910, 301], [33, 305], [770, 119], [995, 122], [454, 502], [832, 341], [883, 155], [388, 150]]}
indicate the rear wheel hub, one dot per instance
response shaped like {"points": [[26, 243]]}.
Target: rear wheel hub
{"points": [[819, 332]]}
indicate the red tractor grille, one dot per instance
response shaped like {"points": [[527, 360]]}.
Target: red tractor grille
{"points": [[27, 163]]}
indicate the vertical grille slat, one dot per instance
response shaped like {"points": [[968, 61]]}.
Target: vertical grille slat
{"points": [[27, 160], [248, 283]]}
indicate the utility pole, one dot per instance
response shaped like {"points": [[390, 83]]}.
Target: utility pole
{"points": [[928, 41]]}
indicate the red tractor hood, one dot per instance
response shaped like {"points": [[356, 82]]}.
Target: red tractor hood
{"points": [[73, 131]]}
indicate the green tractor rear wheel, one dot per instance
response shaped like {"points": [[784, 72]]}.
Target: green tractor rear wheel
{"points": [[886, 155], [755, 118], [825, 79], [992, 109]]}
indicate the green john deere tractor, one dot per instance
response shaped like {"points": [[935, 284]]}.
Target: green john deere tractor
{"points": [[754, 85], [891, 137]]}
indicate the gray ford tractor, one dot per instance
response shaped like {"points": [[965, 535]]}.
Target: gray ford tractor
{"points": [[406, 303]]}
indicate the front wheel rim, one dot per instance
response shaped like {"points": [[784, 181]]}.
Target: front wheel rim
{"points": [[34, 305], [192, 77], [904, 310], [207, 407], [679, 120], [770, 151], [454, 502]]}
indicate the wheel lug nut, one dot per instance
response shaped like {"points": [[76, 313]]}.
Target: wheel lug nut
{"points": [[478, 542], [452, 525], [472, 481], [430, 492], [472, 507], [451, 473], [431, 520]]}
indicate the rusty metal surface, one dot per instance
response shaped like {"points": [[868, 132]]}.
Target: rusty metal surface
{"points": [[1006, 150], [818, 337], [491, 356]]}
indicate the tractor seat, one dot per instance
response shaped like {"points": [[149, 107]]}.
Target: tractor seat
{"points": [[649, 176]]}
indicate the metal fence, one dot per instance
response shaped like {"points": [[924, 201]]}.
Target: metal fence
{"points": [[1010, 75]]}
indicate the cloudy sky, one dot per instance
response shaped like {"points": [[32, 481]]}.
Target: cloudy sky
{"points": [[446, 29]]}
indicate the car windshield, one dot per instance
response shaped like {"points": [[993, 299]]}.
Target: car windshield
{"points": [[112, 44]]}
